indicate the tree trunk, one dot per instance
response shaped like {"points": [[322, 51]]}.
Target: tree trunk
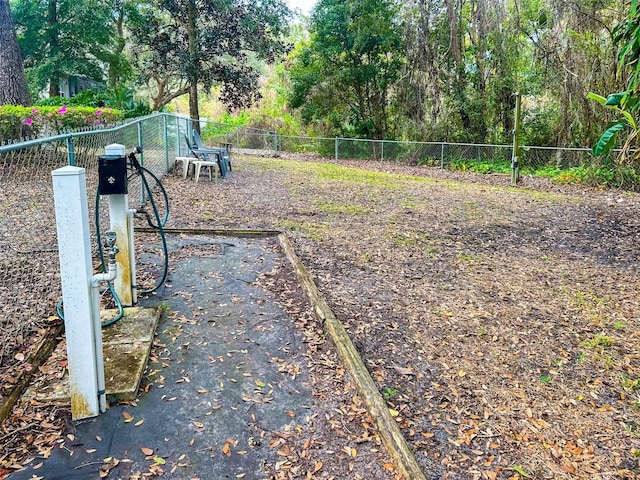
{"points": [[115, 63], [13, 85], [54, 46], [193, 67]]}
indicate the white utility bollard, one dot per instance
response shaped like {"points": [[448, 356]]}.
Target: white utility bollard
{"points": [[72, 219], [119, 223]]}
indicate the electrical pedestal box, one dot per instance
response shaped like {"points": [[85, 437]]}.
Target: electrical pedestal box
{"points": [[112, 175]]}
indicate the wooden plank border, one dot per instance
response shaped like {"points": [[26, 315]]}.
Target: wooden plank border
{"points": [[37, 358], [392, 437]]}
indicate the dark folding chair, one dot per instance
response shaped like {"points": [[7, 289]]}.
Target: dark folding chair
{"points": [[209, 155], [226, 156]]}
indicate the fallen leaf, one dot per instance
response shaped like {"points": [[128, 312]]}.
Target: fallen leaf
{"points": [[226, 449], [146, 451], [518, 469], [138, 423], [127, 417], [403, 370]]}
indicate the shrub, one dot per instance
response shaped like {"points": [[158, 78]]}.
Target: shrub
{"points": [[18, 122], [120, 98]]}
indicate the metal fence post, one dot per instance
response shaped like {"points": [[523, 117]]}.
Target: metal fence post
{"points": [[515, 166], [140, 144], [166, 142], [382, 150], [336, 150], [442, 156], [178, 149], [71, 153]]}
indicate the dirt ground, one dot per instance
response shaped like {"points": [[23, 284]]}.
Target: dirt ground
{"points": [[500, 323]]}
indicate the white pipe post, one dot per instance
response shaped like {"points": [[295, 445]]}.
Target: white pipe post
{"points": [[74, 250], [132, 253], [119, 223], [97, 338]]}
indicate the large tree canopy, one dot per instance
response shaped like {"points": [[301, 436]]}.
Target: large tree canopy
{"points": [[63, 38], [347, 70], [187, 44], [449, 68], [13, 85]]}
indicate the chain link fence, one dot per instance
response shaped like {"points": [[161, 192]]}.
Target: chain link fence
{"points": [[29, 278], [433, 154], [29, 267]]}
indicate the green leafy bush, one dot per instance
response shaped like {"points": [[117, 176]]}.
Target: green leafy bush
{"points": [[18, 122], [119, 98]]}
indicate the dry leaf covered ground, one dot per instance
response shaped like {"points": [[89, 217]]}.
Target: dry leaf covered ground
{"points": [[500, 323]]}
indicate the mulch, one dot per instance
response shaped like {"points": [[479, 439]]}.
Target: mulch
{"points": [[499, 323]]}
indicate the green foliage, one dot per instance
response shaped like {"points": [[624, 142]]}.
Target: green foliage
{"points": [[62, 38], [202, 43], [603, 176], [539, 121], [86, 98], [429, 162], [344, 75], [17, 122], [388, 393], [627, 34], [593, 175], [119, 98], [480, 166], [625, 104]]}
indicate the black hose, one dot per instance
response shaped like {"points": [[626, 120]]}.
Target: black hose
{"points": [[159, 225]]}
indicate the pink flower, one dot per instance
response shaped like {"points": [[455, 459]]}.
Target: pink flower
{"points": [[29, 121], [98, 112], [96, 121], [62, 110], [34, 111]]}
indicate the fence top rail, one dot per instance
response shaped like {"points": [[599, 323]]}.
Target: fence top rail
{"points": [[424, 143], [63, 137]]}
